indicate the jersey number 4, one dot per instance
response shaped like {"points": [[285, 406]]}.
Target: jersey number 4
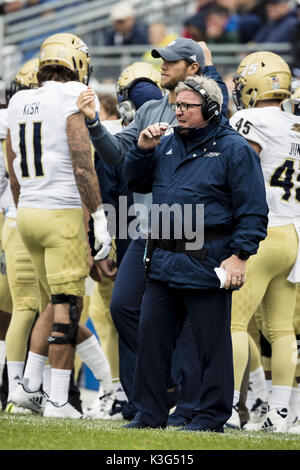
{"points": [[282, 177], [37, 149]]}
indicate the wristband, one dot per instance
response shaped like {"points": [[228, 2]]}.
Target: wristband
{"points": [[242, 254], [94, 122]]}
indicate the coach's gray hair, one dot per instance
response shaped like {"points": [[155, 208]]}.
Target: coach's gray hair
{"points": [[209, 85]]}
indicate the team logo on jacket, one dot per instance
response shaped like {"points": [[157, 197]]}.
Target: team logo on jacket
{"points": [[169, 152], [212, 154]]}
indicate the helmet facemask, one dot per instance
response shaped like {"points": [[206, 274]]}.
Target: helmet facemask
{"points": [[261, 76]]}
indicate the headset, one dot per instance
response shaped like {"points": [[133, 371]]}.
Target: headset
{"points": [[126, 107], [127, 111], [210, 108]]}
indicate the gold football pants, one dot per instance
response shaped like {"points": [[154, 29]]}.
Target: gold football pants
{"points": [[267, 286], [56, 241], [24, 290]]}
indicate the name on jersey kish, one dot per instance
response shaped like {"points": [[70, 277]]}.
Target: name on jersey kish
{"points": [[31, 108], [295, 149]]}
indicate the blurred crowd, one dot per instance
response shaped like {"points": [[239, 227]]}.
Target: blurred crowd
{"points": [[217, 22]]}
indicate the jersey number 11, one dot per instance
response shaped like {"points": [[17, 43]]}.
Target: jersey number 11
{"points": [[37, 149]]}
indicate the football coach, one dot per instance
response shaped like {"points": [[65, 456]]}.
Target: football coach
{"points": [[204, 162]]}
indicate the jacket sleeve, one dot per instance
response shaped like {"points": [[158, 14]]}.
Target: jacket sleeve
{"points": [[211, 71], [108, 181], [138, 170], [112, 149], [248, 197]]}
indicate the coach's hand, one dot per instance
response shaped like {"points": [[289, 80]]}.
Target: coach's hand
{"points": [[151, 136], [235, 272], [108, 268], [86, 103]]}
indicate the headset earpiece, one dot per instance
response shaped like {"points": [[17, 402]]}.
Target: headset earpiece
{"points": [[210, 108]]}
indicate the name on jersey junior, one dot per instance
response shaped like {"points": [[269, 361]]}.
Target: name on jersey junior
{"points": [[295, 149], [31, 109]]}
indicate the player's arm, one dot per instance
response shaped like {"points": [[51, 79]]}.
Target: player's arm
{"points": [[14, 184], [84, 172], [210, 70], [255, 146], [248, 126], [87, 180]]}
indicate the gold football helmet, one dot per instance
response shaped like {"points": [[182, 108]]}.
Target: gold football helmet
{"points": [[136, 72], [25, 78], [292, 104], [69, 51], [261, 76]]}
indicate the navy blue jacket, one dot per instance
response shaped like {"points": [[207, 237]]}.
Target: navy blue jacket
{"points": [[215, 167]]}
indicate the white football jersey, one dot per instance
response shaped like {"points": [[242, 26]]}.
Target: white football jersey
{"points": [[278, 134], [37, 121]]}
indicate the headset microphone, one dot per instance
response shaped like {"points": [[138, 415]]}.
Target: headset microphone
{"points": [[181, 129]]}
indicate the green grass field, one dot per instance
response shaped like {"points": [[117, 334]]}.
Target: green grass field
{"points": [[32, 432]]}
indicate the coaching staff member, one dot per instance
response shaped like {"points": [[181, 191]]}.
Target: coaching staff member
{"points": [[203, 162]]}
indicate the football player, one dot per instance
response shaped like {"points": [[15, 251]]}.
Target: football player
{"points": [[22, 280], [294, 411], [52, 177], [292, 105], [262, 81]]}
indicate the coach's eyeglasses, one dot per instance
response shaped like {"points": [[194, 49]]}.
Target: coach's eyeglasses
{"points": [[185, 106]]}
